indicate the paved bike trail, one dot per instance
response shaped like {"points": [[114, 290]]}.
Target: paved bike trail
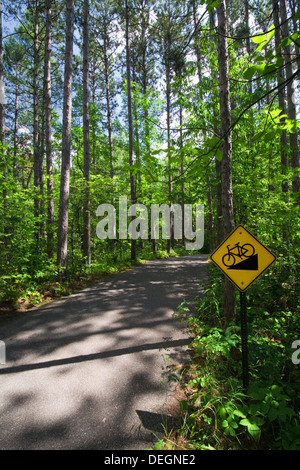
{"points": [[92, 371]]}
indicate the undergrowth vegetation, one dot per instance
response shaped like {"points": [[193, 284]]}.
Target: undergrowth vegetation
{"points": [[216, 412], [30, 285]]}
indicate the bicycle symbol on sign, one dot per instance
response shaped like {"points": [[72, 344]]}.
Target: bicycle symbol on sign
{"points": [[237, 251]]}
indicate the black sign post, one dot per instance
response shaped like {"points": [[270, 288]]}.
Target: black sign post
{"points": [[244, 337]]}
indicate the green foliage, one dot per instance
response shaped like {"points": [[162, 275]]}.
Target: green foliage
{"points": [[217, 413]]}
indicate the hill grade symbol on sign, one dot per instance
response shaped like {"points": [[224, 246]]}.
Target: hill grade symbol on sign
{"points": [[242, 258]]}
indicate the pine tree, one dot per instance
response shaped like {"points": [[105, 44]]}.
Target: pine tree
{"points": [[86, 136], [48, 130], [62, 242], [226, 164], [291, 108], [3, 164], [130, 120]]}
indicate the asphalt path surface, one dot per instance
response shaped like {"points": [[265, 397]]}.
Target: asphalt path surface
{"points": [[94, 370]]}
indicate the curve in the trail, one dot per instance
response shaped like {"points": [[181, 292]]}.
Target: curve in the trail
{"points": [[92, 371]]}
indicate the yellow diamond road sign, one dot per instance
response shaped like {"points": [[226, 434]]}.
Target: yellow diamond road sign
{"points": [[242, 258]]}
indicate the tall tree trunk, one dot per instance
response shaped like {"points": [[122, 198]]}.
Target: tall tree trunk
{"points": [[36, 149], [294, 6], [196, 43], [94, 71], [130, 122], [226, 164], [170, 182], [145, 26], [62, 245], [218, 224], [48, 132], [182, 167], [86, 136], [248, 40], [198, 56], [108, 109], [16, 125], [108, 102], [291, 108], [108, 112], [42, 232], [210, 215], [3, 166], [281, 100]]}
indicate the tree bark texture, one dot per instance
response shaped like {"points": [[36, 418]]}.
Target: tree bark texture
{"points": [[63, 219], [36, 150], [168, 100], [281, 99], [291, 108], [226, 163], [130, 122], [48, 132], [3, 166], [86, 137], [218, 223]]}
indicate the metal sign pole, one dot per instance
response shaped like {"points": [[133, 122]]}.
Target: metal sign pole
{"points": [[243, 259], [244, 336]]}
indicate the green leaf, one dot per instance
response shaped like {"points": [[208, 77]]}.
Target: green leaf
{"points": [[259, 38], [264, 37], [239, 413], [158, 445], [175, 159], [261, 46], [231, 431], [254, 431], [297, 15], [222, 412], [295, 35], [260, 68], [258, 420], [248, 74], [245, 422], [252, 428], [212, 5], [259, 58], [269, 136], [271, 32], [219, 155], [286, 42], [279, 61]]}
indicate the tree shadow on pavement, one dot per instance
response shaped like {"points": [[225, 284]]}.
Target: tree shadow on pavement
{"points": [[78, 369]]}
